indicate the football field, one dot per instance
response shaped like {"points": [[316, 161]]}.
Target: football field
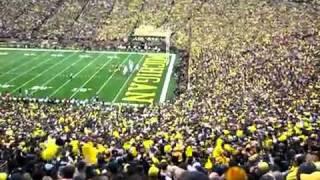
{"points": [[113, 77]]}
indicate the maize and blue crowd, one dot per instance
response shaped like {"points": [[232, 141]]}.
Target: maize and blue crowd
{"points": [[247, 108]]}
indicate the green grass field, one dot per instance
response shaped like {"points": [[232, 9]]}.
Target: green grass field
{"points": [[72, 74]]}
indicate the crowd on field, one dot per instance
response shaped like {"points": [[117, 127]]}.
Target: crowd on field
{"points": [[249, 107]]}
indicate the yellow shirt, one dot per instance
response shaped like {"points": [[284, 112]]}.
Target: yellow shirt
{"points": [[313, 176], [292, 174]]}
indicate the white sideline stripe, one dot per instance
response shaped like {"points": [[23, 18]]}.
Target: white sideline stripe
{"points": [[71, 50], [124, 85], [84, 84], [94, 60], [105, 83], [40, 74], [26, 72], [164, 91], [22, 64], [54, 77]]}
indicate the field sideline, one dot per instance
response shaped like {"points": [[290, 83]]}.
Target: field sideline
{"points": [[75, 74]]}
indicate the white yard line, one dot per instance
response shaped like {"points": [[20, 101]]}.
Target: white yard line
{"points": [[54, 77], [71, 50], [22, 64], [26, 72], [10, 56], [84, 84], [125, 84], [110, 77], [165, 87], [40, 74], [94, 60]]}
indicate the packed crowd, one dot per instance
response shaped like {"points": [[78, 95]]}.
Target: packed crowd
{"points": [[250, 111]]}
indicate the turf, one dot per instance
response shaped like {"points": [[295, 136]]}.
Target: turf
{"points": [[72, 74]]}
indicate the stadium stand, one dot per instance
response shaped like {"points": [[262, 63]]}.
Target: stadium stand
{"points": [[250, 109]]}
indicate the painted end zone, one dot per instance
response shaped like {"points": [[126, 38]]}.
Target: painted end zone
{"points": [[151, 83]]}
